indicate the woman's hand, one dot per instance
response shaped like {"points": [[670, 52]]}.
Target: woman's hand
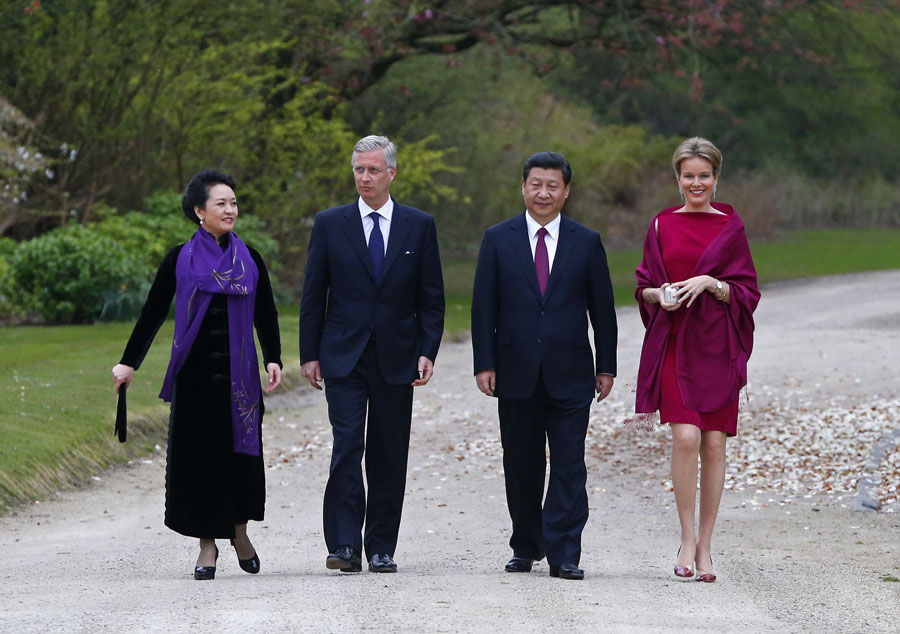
{"points": [[274, 372], [691, 288], [661, 294], [122, 374]]}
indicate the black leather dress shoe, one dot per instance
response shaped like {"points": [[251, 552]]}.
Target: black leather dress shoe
{"points": [[567, 571], [345, 559], [382, 563], [519, 564]]}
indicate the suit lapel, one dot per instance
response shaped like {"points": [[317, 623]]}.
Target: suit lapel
{"points": [[397, 235], [356, 236], [563, 251], [521, 246]]}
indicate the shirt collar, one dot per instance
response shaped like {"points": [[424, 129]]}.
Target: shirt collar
{"points": [[552, 227], [386, 211]]}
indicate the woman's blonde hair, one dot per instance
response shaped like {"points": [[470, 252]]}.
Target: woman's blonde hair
{"points": [[697, 146]]}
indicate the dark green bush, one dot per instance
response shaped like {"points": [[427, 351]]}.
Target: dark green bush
{"points": [[7, 248], [74, 274]]}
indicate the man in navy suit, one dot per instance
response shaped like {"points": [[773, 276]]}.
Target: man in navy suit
{"points": [[539, 277], [371, 320]]}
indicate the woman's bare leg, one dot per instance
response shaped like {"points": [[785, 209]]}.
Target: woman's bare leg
{"points": [[685, 448], [712, 481]]}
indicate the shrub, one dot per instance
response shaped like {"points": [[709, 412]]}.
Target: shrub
{"points": [[7, 249], [74, 274]]}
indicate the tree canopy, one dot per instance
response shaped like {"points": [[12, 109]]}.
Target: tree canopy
{"points": [[122, 99]]}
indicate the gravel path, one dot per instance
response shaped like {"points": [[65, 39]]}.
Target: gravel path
{"points": [[790, 553]]}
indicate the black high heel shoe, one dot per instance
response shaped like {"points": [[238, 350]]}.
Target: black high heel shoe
{"points": [[248, 565], [205, 573]]}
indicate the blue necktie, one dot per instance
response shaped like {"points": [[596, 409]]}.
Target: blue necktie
{"points": [[376, 248]]}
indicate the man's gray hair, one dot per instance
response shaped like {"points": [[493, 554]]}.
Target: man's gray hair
{"points": [[375, 142]]}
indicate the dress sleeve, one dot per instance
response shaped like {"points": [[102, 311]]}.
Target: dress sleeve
{"points": [[265, 315], [154, 313]]}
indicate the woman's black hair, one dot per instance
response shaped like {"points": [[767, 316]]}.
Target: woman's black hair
{"points": [[197, 191]]}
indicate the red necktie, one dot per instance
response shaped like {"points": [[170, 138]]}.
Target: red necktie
{"points": [[541, 261]]}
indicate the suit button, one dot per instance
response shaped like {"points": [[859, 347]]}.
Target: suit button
{"points": [[542, 313], [539, 340]]}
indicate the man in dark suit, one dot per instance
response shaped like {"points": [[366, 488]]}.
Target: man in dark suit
{"points": [[539, 277], [371, 320]]}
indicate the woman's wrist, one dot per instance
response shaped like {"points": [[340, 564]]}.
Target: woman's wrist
{"points": [[718, 288], [651, 295]]}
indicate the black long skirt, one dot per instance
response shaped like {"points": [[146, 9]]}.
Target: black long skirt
{"points": [[209, 488]]}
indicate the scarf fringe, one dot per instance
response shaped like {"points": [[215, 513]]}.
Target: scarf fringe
{"points": [[743, 398], [643, 421]]}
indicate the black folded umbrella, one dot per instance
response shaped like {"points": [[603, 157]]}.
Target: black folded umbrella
{"points": [[121, 415]]}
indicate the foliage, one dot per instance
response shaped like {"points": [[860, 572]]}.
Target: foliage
{"points": [[182, 89], [352, 45], [7, 248], [817, 97], [19, 161], [73, 275], [493, 123], [276, 93]]}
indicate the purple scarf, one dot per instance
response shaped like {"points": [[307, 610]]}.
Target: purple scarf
{"points": [[201, 270], [716, 339]]}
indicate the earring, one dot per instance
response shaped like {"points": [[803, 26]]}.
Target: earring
{"points": [[201, 221], [714, 191], [681, 193]]}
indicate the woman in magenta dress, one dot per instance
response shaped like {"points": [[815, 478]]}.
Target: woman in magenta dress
{"points": [[697, 290]]}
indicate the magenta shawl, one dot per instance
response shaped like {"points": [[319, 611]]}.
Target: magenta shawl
{"points": [[716, 338]]}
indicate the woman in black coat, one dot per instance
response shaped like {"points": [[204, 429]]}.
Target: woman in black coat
{"points": [[215, 475]]}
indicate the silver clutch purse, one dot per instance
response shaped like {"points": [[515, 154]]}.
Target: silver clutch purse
{"points": [[669, 294]]}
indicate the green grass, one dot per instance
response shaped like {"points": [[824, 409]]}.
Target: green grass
{"points": [[57, 405], [814, 253]]}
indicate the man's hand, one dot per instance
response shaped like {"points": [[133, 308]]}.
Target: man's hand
{"points": [[486, 380], [313, 374], [603, 384], [426, 369], [274, 372]]}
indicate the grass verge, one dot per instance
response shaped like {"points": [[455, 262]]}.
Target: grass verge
{"points": [[57, 405]]}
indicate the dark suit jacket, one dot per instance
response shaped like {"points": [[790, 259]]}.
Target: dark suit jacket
{"points": [[518, 333], [342, 306]]}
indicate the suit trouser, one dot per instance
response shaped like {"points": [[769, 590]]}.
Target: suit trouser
{"points": [[526, 425], [385, 443]]}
